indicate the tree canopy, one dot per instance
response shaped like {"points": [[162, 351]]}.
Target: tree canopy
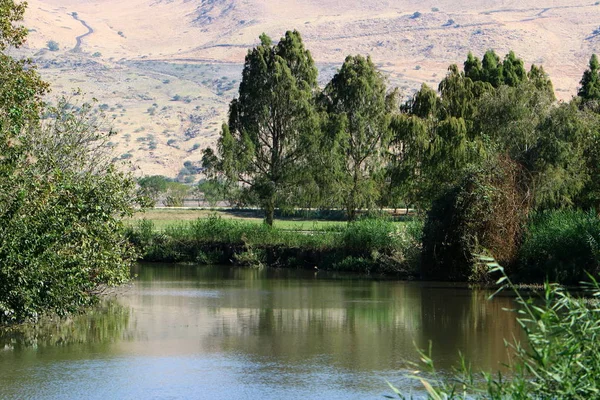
{"points": [[271, 122], [358, 104]]}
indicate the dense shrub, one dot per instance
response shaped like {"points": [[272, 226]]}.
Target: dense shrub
{"points": [[486, 210], [561, 245], [60, 238]]}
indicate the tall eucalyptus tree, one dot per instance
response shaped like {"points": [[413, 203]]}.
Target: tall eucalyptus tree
{"points": [[271, 122], [357, 101]]}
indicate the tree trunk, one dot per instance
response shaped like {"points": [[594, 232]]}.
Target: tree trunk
{"points": [[351, 208], [351, 213], [269, 212], [351, 203]]}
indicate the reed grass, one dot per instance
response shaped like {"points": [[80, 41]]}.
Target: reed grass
{"points": [[560, 358]]}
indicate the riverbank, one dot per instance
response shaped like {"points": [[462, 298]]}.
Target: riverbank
{"points": [[560, 246], [368, 246]]}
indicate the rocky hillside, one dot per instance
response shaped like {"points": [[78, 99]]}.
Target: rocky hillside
{"points": [[164, 71]]}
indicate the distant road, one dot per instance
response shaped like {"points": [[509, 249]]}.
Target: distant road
{"points": [[79, 38]]}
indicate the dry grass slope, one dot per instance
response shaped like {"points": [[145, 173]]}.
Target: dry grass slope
{"points": [[165, 70]]}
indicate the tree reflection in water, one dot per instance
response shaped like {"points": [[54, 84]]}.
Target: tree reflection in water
{"points": [[105, 323]]}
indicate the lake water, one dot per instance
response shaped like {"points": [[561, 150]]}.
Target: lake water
{"points": [[230, 333]]}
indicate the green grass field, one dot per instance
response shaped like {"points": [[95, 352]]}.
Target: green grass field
{"points": [[163, 217]]}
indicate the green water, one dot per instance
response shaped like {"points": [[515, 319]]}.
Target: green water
{"points": [[223, 333]]}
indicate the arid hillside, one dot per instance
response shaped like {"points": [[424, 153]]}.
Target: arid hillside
{"points": [[164, 71]]}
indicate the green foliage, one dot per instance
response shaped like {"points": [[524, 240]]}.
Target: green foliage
{"points": [[175, 194], [250, 257], [11, 33], [270, 122], [561, 246], [368, 235], [60, 238], [61, 198], [388, 248], [21, 92], [492, 146], [153, 186], [559, 360], [429, 149], [212, 191], [359, 111], [539, 78], [60, 212], [61, 206], [492, 69], [590, 82], [589, 196], [487, 210], [160, 188], [560, 159]]}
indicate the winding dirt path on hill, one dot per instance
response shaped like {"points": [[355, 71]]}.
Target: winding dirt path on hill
{"points": [[79, 38]]}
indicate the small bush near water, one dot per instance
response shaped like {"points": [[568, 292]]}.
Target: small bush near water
{"points": [[560, 359], [562, 246], [370, 245]]}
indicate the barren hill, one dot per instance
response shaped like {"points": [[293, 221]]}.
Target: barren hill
{"points": [[165, 70]]}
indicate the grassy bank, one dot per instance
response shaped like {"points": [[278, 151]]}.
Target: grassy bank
{"points": [[168, 217], [370, 245], [560, 245]]}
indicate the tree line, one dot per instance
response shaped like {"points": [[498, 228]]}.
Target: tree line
{"points": [[355, 144], [478, 155]]}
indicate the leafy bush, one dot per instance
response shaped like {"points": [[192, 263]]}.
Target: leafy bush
{"points": [[561, 245], [60, 238], [61, 205]]}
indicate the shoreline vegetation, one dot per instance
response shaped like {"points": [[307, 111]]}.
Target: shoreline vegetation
{"points": [[366, 246], [560, 245]]}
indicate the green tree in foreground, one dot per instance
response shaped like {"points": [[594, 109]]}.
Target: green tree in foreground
{"points": [[271, 123], [61, 198], [61, 235]]}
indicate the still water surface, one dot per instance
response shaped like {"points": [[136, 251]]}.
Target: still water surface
{"points": [[227, 333]]}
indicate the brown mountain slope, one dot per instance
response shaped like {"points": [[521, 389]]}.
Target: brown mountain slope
{"points": [[165, 70]]}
